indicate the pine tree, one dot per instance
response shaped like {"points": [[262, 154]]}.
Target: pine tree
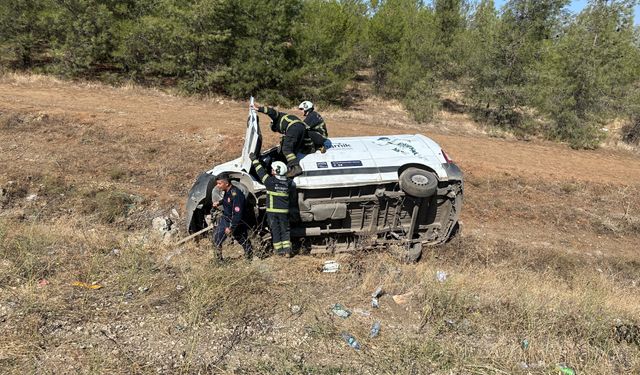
{"points": [[592, 70], [523, 29], [26, 27], [329, 41], [483, 49], [388, 30]]}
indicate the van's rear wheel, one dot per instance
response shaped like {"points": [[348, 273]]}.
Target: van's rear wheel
{"points": [[418, 182]]}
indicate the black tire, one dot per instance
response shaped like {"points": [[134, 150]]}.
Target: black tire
{"points": [[418, 182]]}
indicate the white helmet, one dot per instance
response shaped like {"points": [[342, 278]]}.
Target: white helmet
{"points": [[279, 167], [306, 106]]}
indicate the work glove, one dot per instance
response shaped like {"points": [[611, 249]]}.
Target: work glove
{"points": [[252, 156]]}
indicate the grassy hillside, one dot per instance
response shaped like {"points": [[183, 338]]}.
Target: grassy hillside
{"points": [[545, 272]]}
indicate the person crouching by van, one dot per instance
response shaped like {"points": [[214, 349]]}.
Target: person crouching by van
{"points": [[278, 189], [232, 222], [317, 129], [294, 137]]}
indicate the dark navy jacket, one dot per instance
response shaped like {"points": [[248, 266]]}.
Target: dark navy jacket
{"points": [[295, 132], [233, 203], [316, 123]]}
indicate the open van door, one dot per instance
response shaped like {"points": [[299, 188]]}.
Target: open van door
{"points": [[252, 138]]}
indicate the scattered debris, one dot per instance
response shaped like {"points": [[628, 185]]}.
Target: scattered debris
{"points": [[524, 344], [174, 214], [143, 289], [31, 197], [540, 365], [377, 293], [523, 365], [340, 311], [179, 287], [441, 276], [565, 370], [375, 329], [115, 251], [43, 282], [375, 303], [296, 309], [402, 299], [349, 339], [450, 322], [86, 285], [330, 266], [361, 312], [164, 227]]}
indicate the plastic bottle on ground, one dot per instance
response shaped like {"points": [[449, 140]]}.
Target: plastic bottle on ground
{"points": [[375, 329], [349, 339]]}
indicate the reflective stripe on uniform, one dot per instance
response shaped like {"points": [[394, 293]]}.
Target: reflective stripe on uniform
{"points": [[290, 157], [285, 244], [277, 194], [321, 128], [271, 208], [264, 178], [277, 245], [289, 123]]}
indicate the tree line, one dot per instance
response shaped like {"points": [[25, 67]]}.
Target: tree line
{"points": [[530, 67]]}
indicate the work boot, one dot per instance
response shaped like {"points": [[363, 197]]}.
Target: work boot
{"points": [[216, 261], [295, 170], [323, 149], [217, 255]]}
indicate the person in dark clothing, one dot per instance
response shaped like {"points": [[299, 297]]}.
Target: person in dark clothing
{"points": [[313, 118], [295, 138], [317, 129], [278, 189], [231, 222]]}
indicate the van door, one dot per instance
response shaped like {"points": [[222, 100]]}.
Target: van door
{"points": [[252, 138]]}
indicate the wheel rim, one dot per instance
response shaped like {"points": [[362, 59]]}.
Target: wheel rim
{"points": [[419, 179]]}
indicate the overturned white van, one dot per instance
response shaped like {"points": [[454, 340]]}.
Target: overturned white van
{"points": [[362, 192]]}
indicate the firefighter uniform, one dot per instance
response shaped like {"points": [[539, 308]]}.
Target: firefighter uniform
{"points": [[278, 190], [295, 138], [316, 123], [233, 205], [317, 129]]}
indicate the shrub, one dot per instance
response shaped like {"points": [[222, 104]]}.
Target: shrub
{"points": [[109, 206], [631, 132]]}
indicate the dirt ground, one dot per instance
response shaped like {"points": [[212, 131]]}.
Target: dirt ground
{"points": [[540, 220]]}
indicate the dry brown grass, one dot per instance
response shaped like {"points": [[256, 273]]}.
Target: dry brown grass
{"points": [[553, 261]]}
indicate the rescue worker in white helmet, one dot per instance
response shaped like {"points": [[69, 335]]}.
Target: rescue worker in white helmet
{"points": [[294, 140], [317, 129], [278, 191]]}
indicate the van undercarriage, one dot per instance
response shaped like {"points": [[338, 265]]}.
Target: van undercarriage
{"points": [[364, 217]]}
